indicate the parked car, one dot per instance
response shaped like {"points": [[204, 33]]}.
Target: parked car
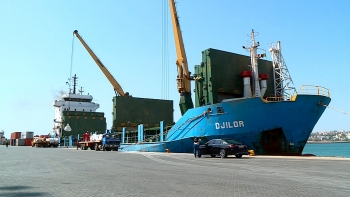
{"points": [[223, 148]]}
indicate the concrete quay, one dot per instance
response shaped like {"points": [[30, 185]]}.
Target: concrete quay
{"points": [[41, 172]]}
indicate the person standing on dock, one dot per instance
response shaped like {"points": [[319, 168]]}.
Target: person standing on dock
{"points": [[77, 144], [195, 147], [7, 144]]}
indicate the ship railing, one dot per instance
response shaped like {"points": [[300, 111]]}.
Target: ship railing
{"points": [[305, 89], [314, 90], [188, 121]]}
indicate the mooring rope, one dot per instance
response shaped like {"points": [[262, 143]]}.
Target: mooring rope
{"points": [[347, 113]]}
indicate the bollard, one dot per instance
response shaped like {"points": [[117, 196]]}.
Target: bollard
{"points": [[251, 153]]}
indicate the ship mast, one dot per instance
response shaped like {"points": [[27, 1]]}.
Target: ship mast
{"points": [[254, 64], [74, 83]]}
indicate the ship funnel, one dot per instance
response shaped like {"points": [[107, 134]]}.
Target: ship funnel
{"points": [[246, 82], [263, 84]]}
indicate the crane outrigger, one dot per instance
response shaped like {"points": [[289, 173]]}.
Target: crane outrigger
{"points": [[117, 88], [184, 76]]}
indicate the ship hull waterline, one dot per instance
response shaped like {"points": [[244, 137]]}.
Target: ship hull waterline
{"points": [[268, 128]]}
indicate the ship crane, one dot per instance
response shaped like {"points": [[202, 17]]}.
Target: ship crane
{"points": [[284, 86], [184, 76], [117, 88]]}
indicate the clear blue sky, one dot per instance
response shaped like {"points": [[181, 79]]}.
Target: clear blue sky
{"points": [[36, 46]]}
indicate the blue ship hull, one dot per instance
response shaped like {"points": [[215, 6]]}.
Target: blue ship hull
{"points": [[268, 128]]}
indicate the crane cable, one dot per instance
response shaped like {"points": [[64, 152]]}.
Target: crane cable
{"points": [[165, 52], [347, 113], [71, 64]]}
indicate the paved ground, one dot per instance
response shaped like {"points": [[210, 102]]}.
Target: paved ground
{"points": [[27, 171]]}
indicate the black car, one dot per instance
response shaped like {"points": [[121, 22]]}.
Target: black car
{"points": [[223, 147]]}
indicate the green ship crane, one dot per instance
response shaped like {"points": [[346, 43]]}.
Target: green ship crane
{"points": [[117, 88], [184, 76]]}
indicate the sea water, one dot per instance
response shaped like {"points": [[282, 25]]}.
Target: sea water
{"points": [[328, 149]]}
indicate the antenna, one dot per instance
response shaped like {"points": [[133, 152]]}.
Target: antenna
{"points": [[81, 91]]}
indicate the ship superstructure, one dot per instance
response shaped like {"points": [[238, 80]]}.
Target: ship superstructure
{"points": [[73, 103]]}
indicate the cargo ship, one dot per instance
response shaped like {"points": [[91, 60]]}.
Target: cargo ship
{"points": [[78, 111], [245, 98]]}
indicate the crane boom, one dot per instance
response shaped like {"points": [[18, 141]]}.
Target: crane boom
{"points": [[117, 88], [184, 76]]}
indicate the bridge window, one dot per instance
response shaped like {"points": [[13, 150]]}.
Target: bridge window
{"points": [[77, 100]]}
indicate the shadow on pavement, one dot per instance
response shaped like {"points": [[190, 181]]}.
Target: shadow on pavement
{"points": [[229, 157], [13, 191], [24, 194], [14, 187]]}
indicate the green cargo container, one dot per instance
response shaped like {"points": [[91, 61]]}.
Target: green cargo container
{"points": [[129, 112], [80, 122], [219, 76]]}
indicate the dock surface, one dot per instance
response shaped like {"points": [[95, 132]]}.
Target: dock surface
{"points": [[28, 171]]}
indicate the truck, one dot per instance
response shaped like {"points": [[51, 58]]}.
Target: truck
{"points": [[105, 142], [44, 141]]}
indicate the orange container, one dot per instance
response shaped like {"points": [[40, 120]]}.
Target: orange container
{"points": [[16, 135]]}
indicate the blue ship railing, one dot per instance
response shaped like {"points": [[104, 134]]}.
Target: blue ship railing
{"points": [[188, 121]]}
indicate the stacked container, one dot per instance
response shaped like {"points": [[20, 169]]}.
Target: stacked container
{"points": [[20, 142], [22, 138], [13, 142], [27, 138], [16, 135], [28, 142], [27, 135], [14, 138]]}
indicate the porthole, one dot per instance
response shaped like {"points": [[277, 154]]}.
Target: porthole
{"points": [[219, 110]]}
